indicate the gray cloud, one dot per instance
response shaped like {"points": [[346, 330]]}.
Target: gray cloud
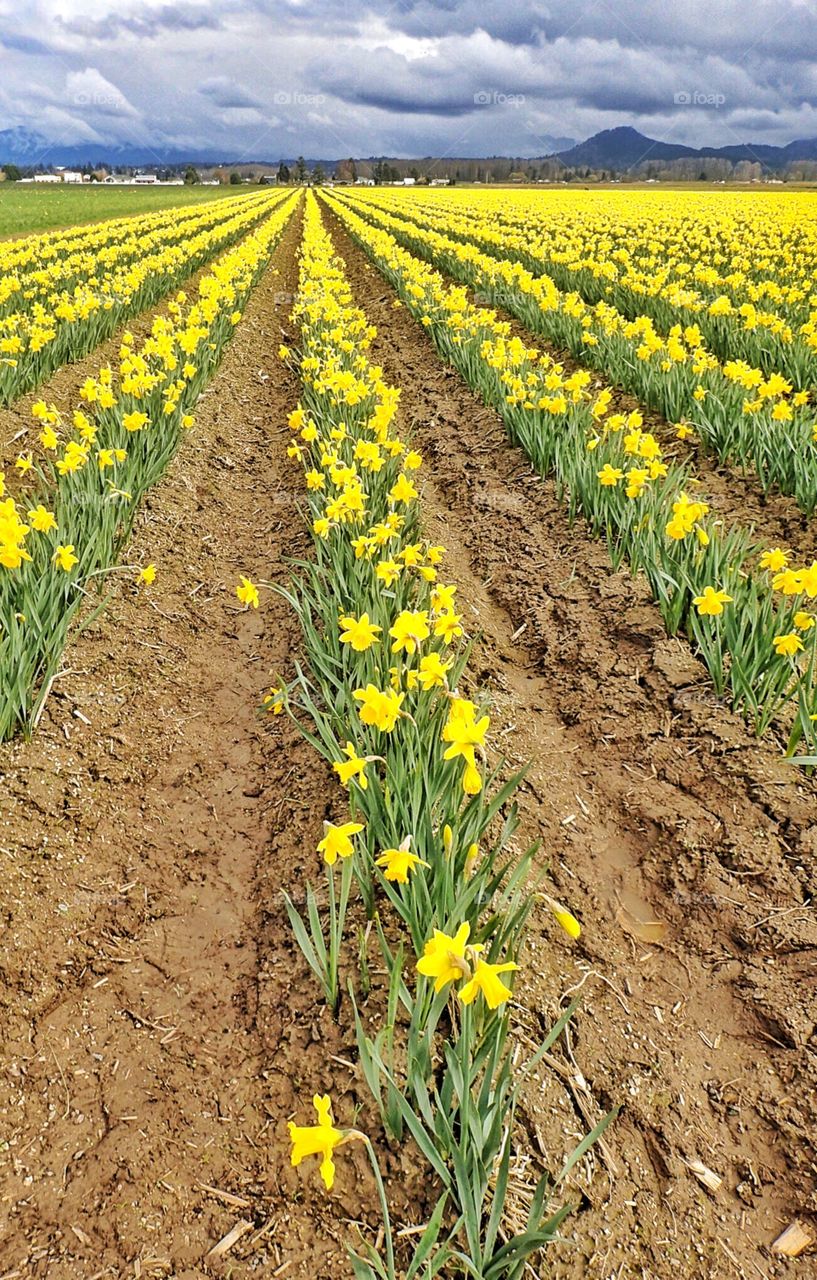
{"points": [[263, 78], [23, 44], [145, 24], [225, 92]]}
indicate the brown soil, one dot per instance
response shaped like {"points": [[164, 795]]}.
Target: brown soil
{"points": [[159, 1026], [654, 804]]}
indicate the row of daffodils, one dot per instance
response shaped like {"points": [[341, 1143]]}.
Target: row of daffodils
{"points": [[740, 266], [60, 296], [67, 505], [751, 414], [422, 841], [747, 609]]}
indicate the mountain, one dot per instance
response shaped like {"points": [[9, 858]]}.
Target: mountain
{"points": [[625, 148], [27, 147], [620, 148]]}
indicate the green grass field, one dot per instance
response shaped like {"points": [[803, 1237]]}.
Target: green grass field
{"points": [[28, 208]]}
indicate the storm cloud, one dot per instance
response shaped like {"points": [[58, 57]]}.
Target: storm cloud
{"points": [[260, 79]]}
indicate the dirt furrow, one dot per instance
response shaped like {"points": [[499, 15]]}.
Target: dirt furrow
{"points": [[686, 846], [158, 1029]]}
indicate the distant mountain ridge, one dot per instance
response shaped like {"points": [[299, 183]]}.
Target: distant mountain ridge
{"points": [[620, 149], [625, 148], [23, 147], [28, 147]]}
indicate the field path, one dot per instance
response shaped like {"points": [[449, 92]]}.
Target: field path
{"points": [[659, 815], [158, 1031]]}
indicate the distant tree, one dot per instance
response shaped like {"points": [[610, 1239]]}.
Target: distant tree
{"points": [[300, 171], [191, 176], [353, 170], [12, 173], [235, 179], [318, 176], [283, 174]]}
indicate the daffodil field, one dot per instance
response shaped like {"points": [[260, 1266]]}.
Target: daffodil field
{"points": [[63, 293], [641, 349], [744, 605], [72, 497], [420, 838], [755, 414]]}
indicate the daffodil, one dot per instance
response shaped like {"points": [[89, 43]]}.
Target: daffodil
{"points": [[410, 629], [353, 767], [399, 863], [379, 708], [432, 671], [319, 1139], [443, 957], [442, 598], [360, 632], [247, 593], [711, 603], [788, 645], [462, 729], [134, 421], [774, 560], [402, 490], [563, 917], [447, 627], [487, 982], [65, 558], [337, 840], [274, 701], [41, 519], [388, 571], [148, 574]]}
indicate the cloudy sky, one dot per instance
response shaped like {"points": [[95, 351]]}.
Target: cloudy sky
{"points": [[261, 79]]}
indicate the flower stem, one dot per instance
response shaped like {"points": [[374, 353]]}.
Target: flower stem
{"points": [[384, 1207]]}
